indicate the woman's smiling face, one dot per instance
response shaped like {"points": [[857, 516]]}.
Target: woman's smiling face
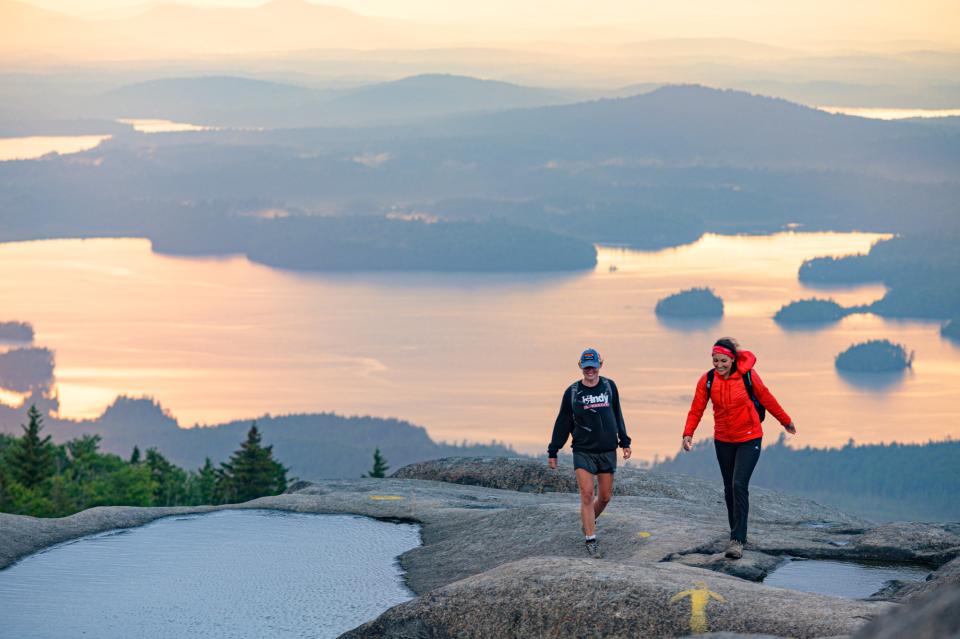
{"points": [[722, 363]]}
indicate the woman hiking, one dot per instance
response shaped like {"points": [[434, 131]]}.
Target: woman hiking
{"points": [[740, 400], [590, 410]]}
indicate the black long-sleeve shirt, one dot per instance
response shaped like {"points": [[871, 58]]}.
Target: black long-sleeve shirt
{"points": [[594, 418]]}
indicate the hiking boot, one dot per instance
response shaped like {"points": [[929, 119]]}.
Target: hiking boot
{"points": [[593, 549], [734, 549]]}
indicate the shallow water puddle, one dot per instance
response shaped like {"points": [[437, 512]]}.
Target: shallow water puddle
{"points": [[253, 573], [853, 580]]}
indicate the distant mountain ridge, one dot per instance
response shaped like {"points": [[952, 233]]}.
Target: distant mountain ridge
{"points": [[313, 446], [241, 101]]}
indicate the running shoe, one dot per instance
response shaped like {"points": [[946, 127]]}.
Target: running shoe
{"points": [[593, 549]]}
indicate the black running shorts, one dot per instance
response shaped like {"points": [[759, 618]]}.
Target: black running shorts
{"points": [[596, 463]]}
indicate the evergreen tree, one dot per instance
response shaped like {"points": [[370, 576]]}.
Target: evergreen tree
{"points": [[170, 482], [251, 472], [203, 485], [135, 456], [380, 466], [32, 459]]}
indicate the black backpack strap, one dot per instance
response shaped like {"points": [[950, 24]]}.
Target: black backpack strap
{"points": [[748, 382]]}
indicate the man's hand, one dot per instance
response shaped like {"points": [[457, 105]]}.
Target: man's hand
{"points": [[552, 462], [791, 428], [687, 442], [626, 453]]}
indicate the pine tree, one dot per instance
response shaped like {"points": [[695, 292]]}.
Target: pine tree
{"points": [[170, 482], [32, 458], [203, 485], [380, 466], [135, 456], [251, 472]]}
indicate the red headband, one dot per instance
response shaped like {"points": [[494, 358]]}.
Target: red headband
{"points": [[724, 351]]}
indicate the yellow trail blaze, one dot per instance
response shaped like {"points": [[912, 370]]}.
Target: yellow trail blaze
{"points": [[699, 598]]}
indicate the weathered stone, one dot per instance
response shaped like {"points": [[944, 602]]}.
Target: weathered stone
{"points": [[577, 598], [904, 591], [753, 566], [484, 544], [935, 615]]}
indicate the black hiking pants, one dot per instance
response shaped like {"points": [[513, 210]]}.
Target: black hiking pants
{"points": [[737, 462]]}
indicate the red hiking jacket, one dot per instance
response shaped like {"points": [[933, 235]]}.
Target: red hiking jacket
{"points": [[735, 418]]}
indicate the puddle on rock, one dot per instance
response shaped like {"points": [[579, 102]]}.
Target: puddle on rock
{"points": [[853, 580], [224, 575]]}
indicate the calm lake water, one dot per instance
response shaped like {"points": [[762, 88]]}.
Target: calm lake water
{"points": [[229, 574], [468, 356]]}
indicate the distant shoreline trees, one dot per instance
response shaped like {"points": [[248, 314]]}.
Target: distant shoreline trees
{"points": [[43, 479], [16, 332]]}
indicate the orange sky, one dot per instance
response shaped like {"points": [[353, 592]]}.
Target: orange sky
{"points": [[772, 21]]}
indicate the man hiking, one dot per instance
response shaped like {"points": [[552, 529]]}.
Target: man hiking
{"points": [[590, 411]]}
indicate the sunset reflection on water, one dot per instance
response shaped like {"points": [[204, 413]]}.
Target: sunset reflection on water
{"points": [[469, 356]]}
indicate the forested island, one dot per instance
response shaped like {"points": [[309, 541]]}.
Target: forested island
{"points": [[921, 271], [811, 311], [16, 332], [44, 479], [855, 478], [874, 356], [693, 302]]}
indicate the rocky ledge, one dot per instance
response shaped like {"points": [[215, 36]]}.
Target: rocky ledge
{"points": [[502, 555]]}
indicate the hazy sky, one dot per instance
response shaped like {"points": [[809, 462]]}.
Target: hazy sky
{"points": [[762, 20]]}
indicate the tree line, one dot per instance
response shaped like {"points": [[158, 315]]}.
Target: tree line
{"points": [[43, 479], [877, 481]]}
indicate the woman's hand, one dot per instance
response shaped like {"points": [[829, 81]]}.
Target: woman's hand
{"points": [[790, 428], [687, 442], [552, 462]]}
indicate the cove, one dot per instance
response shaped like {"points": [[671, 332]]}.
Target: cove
{"points": [[233, 573]]}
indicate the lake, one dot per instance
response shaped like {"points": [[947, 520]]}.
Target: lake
{"points": [[880, 113], [230, 574], [32, 147], [468, 356]]}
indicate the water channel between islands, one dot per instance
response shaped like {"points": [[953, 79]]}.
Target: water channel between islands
{"points": [[252, 573]]}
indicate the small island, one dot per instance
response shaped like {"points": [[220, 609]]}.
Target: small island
{"points": [[694, 302], [951, 330], [811, 311], [16, 332], [874, 356]]}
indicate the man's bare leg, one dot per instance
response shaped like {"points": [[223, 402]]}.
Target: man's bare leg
{"points": [[587, 508], [604, 493]]}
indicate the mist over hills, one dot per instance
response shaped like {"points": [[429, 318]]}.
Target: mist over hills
{"points": [[652, 170], [246, 102]]}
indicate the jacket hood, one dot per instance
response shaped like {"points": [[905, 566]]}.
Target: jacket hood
{"points": [[745, 361]]}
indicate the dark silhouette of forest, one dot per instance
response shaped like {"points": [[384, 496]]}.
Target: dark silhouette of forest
{"points": [[876, 481], [41, 478]]}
